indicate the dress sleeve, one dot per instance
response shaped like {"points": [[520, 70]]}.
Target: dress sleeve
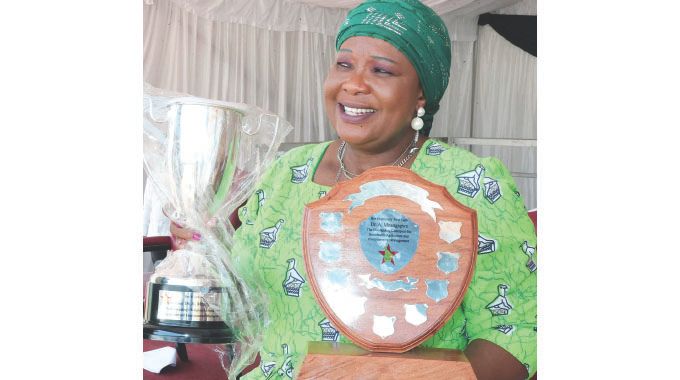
{"points": [[500, 304]]}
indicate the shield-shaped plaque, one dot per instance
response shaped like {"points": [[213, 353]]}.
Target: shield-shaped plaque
{"points": [[389, 256]]}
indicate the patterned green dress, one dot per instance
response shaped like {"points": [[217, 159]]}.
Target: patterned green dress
{"points": [[499, 306]]}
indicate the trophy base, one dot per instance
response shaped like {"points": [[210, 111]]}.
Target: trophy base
{"points": [[163, 313], [329, 360], [187, 334], [180, 314]]}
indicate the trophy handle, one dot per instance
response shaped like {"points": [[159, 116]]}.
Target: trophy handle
{"points": [[248, 121], [278, 131], [153, 117]]}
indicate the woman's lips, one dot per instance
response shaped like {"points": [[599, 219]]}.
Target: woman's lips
{"points": [[353, 119]]}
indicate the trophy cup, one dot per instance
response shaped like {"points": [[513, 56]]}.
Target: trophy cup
{"points": [[389, 256], [205, 156]]}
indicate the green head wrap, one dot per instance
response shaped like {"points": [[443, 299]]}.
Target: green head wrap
{"points": [[416, 31]]}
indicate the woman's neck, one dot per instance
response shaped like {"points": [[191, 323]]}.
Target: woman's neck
{"points": [[357, 160]]}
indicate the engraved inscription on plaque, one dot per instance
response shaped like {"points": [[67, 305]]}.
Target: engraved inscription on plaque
{"points": [[388, 239]]}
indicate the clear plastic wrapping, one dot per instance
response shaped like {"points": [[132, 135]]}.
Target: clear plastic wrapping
{"points": [[205, 157]]}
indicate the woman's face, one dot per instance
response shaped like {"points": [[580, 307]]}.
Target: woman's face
{"points": [[371, 94]]}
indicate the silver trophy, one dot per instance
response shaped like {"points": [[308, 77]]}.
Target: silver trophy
{"points": [[205, 157]]}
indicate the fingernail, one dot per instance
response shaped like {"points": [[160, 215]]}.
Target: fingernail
{"points": [[196, 236]]}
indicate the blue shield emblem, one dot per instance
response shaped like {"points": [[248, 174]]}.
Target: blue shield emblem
{"points": [[388, 239]]}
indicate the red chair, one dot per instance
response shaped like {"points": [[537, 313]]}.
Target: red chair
{"points": [[533, 214]]}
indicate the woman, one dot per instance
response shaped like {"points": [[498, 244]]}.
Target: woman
{"points": [[392, 67]]}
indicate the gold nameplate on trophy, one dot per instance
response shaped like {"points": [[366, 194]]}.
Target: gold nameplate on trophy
{"points": [[389, 257]]}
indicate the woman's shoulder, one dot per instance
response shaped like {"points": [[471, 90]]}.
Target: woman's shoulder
{"points": [[470, 178], [303, 153], [437, 150], [295, 164], [440, 154]]}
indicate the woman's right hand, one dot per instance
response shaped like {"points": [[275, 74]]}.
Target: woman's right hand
{"points": [[181, 235]]}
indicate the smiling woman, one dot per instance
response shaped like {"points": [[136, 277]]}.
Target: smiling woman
{"points": [[381, 94]]}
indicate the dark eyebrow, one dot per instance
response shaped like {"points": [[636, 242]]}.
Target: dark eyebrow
{"points": [[345, 50], [384, 59]]}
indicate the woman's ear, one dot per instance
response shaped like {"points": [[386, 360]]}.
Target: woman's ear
{"points": [[420, 99]]}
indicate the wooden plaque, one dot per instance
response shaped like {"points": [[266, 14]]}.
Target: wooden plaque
{"points": [[389, 256], [336, 361]]}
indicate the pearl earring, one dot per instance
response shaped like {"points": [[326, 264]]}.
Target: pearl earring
{"points": [[417, 123]]}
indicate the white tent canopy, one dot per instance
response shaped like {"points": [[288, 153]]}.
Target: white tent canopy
{"points": [[320, 16]]}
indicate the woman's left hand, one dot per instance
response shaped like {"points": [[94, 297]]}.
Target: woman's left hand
{"points": [[181, 235]]}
